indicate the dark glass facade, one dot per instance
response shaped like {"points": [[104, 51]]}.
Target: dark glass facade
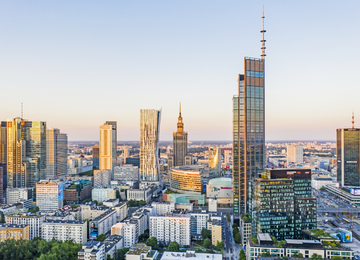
{"points": [[95, 154], [282, 204], [348, 156], [248, 133]]}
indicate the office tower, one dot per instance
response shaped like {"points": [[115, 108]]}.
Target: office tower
{"points": [[95, 154], [348, 156], [56, 154], [3, 142], [1, 185], [108, 146], [26, 152], [214, 162], [14, 195], [180, 143], [227, 156], [149, 144], [283, 205], [295, 153], [49, 195], [102, 178]]}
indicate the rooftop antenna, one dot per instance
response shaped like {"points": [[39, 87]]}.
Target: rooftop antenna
{"points": [[263, 31], [180, 108], [353, 121], [22, 111]]}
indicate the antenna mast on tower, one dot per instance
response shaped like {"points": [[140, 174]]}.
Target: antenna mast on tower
{"points": [[353, 121], [22, 114], [263, 31]]}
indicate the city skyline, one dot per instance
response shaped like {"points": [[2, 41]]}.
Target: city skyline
{"points": [[138, 56]]}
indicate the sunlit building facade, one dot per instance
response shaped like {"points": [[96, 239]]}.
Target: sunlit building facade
{"points": [[186, 179], [108, 147], [26, 152], [214, 162], [248, 132], [95, 154], [180, 143], [56, 154], [348, 156], [149, 144]]}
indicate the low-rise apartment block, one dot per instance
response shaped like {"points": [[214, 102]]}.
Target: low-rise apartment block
{"points": [[65, 230], [14, 231], [33, 220], [93, 250], [140, 252], [102, 224]]}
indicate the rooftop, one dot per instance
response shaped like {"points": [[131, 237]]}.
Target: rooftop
{"points": [[190, 255], [138, 249], [4, 225], [64, 221]]}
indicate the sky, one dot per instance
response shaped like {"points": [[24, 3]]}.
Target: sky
{"points": [[77, 64]]}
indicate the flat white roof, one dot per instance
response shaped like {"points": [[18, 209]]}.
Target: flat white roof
{"points": [[198, 256]]}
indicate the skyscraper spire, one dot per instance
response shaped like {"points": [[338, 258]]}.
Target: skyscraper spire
{"points": [[180, 124], [353, 122], [22, 114], [263, 31], [180, 109]]}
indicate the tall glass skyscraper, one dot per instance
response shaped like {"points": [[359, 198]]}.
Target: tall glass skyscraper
{"points": [[56, 154], [108, 147], [26, 152], [348, 156], [248, 132], [149, 144]]}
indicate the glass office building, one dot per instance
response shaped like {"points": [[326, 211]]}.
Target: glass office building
{"points": [[348, 156], [108, 146], [248, 133], [282, 204]]}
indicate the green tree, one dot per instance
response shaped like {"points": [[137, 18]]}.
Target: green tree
{"points": [[220, 244], [336, 257], [118, 196], [323, 188], [299, 255], [316, 256], [132, 203], [207, 243], [234, 225], [73, 206], [266, 254], [121, 253], [144, 237], [205, 233], [101, 237], [281, 243], [152, 241], [228, 217], [142, 203], [173, 247], [254, 240], [237, 238], [2, 217], [242, 255]]}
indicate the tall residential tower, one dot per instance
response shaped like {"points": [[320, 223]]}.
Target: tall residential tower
{"points": [[149, 144], [248, 130], [108, 147]]}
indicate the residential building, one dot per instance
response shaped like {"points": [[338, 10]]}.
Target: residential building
{"points": [[149, 145], [175, 227], [285, 196], [14, 195], [121, 210], [227, 153], [14, 231], [186, 179], [127, 230], [245, 228], [293, 248], [216, 231], [102, 178], [2, 198], [103, 194], [94, 250], [111, 203], [91, 211], [126, 172], [348, 156], [214, 162], [190, 255], [163, 208], [56, 154], [295, 153], [140, 252], [78, 191], [63, 230], [248, 132], [32, 220], [108, 146], [112, 244], [96, 156], [102, 224], [26, 152], [198, 221], [49, 195]]}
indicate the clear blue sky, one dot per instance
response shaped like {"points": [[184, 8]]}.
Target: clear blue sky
{"points": [[77, 64]]}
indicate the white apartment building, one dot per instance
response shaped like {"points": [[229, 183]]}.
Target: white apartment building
{"points": [[64, 230], [14, 195], [163, 208], [127, 231], [142, 221], [33, 220], [90, 211], [93, 250], [102, 178], [103, 194], [295, 153], [49, 195], [171, 228], [199, 220], [103, 223], [121, 210]]}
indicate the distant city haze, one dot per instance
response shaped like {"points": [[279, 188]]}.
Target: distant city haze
{"points": [[77, 64]]}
